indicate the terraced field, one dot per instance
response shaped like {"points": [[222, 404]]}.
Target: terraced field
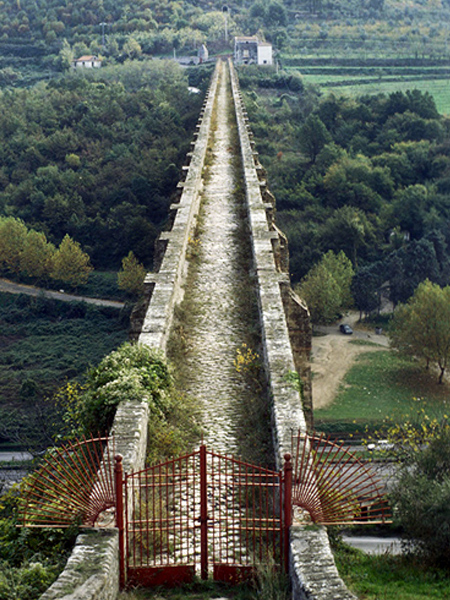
{"points": [[360, 80]]}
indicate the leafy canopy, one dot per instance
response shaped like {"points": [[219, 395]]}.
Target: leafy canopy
{"points": [[327, 287], [420, 494], [422, 326]]}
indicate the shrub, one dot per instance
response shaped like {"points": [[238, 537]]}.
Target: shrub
{"points": [[421, 493], [30, 560], [133, 372]]}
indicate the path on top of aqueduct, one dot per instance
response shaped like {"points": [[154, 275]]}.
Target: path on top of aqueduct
{"points": [[220, 297]]}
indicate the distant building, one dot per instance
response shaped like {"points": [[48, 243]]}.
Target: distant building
{"points": [[87, 62], [202, 56], [250, 50], [264, 53]]}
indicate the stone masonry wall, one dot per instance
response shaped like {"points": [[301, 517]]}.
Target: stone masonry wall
{"points": [[286, 336], [165, 288], [92, 571]]}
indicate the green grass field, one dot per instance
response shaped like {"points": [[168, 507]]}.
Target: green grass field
{"points": [[390, 577], [365, 84], [382, 384]]}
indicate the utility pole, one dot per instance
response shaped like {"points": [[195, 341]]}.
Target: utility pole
{"points": [[103, 33]]}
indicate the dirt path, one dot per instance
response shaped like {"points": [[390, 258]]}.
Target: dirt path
{"points": [[333, 355], [19, 288]]}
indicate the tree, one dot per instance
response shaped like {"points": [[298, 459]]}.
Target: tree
{"points": [[409, 209], [365, 289], [36, 258], [13, 233], [66, 56], [321, 293], [348, 229], [326, 288], [341, 268], [276, 14], [356, 182], [420, 495], [132, 48], [409, 266], [313, 137], [422, 326], [70, 263], [131, 277]]}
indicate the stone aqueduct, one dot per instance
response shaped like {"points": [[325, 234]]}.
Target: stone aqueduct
{"points": [[92, 572]]}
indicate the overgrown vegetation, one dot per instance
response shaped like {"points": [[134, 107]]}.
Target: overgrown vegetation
{"points": [[134, 372], [327, 288], [390, 577], [98, 156], [45, 342], [30, 560]]}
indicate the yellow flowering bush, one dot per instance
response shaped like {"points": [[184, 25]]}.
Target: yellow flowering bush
{"points": [[246, 361]]}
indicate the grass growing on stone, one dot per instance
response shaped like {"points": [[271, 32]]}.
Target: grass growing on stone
{"points": [[388, 577], [383, 384]]}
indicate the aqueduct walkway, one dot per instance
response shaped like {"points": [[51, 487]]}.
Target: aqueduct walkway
{"points": [[224, 257]]}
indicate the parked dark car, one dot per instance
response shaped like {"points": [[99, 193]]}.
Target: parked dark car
{"points": [[345, 329]]}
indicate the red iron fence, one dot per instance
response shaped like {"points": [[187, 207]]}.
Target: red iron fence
{"points": [[203, 511]]}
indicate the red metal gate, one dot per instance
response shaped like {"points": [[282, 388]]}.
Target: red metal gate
{"points": [[203, 510]]}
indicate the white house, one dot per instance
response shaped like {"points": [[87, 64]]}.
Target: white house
{"points": [[87, 62], [264, 53], [250, 50]]}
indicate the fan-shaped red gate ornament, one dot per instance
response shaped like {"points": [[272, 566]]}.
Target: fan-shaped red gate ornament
{"points": [[333, 485], [74, 485]]}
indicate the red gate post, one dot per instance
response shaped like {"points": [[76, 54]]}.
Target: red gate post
{"points": [[203, 515], [287, 509], [118, 477]]}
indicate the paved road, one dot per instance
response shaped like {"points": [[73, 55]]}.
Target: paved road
{"points": [[374, 545], [19, 288], [16, 455]]}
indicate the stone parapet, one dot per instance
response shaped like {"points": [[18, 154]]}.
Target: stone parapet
{"points": [[286, 339], [270, 266], [92, 571], [165, 287]]}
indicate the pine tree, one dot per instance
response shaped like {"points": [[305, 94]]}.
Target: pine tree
{"points": [[131, 277], [70, 264]]}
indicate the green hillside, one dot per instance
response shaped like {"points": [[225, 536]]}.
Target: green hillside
{"points": [[40, 38]]}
